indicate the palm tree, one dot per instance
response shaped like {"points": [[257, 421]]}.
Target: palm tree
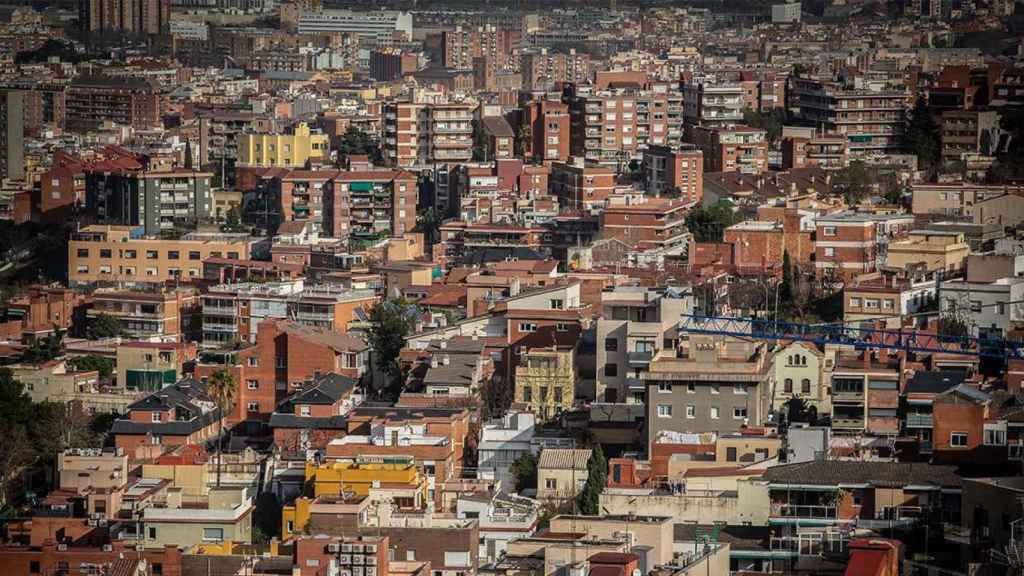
{"points": [[223, 388]]}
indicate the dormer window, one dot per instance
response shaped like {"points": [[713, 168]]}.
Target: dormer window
{"points": [[157, 416]]}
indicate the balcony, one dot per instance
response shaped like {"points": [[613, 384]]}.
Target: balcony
{"points": [[846, 423], [218, 310], [919, 421], [805, 511], [848, 397], [223, 328], [639, 359]]}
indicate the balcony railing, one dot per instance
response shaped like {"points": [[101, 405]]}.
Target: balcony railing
{"points": [[640, 358], [919, 421], [848, 423], [808, 511]]}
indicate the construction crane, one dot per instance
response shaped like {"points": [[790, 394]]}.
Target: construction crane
{"points": [[908, 340]]}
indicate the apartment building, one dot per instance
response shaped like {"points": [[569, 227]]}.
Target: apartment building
{"points": [[369, 205], [579, 185], [124, 255], [374, 27], [561, 473], [545, 381], [226, 516], [149, 366], [176, 415], [846, 245], [12, 134], [542, 69], [284, 150], [419, 134], [798, 371], [828, 152], [674, 170], [91, 100], [39, 311], [654, 224], [865, 393], [712, 105], [635, 324], [157, 200], [929, 251], [233, 312], [463, 44], [299, 195], [546, 122], [955, 199], [149, 17], [873, 297], [731, 149], [458, 238], [872, 121], [167, 316], [990, 309], [706, 385], [315, 414], [969, 132]]}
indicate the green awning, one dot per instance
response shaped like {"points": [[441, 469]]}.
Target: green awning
{"points": [[361, 186]]}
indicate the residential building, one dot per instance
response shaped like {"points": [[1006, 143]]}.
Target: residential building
{"points": [[989, 309], [871, 120], [12, 135], [712, 105], [545, 381], [369, 205], [966, 132], [124, 100], [463, 44], [149, 366], [635, 324], [669, 171], [957, 199], [166, 316], [653, 531], [315, 414], [846, 245], [788, 13], [288, 150], [917, 406], [762, 245], [369, 553], [546, 122], [656, 223], [56, 381], [148, 17], [873, 298], [387, 64], [561, 473], [176, 415], [502, 518], [543, 69], [990, 508], [732, 148], [123, 255], [798, 371], [233, 312], [826, 151], [503, 441], [865, 390], [157, 200], [39, 311], [706, 385], [420, 134], [581, 186], [929, 251], [227, 516]]}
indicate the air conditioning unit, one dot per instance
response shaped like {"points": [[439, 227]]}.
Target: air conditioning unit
{"points": [[371, 560], [346, 548], [358, 559], [357, 548], [333, 548], [344, 559], [357, 571], [370, 548], [370, 571]]}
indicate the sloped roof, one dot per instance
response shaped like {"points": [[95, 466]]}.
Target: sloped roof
{"points": [[880, 474]]}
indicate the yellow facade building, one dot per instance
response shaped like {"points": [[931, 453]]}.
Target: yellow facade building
{"points": [[283, 150], [545, 381]]}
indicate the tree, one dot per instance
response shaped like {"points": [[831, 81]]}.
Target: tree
{"points": [[496, 395], [233, 220], [922, 135], [355, 141], [798, 410], [15, 455], [188, 154], [709, 224], [953, 325], [390, 322], [786, 287], [524, 470], [103, 365], [589, 499], [104, 326], [223, 388], [267, 518], [428, 221], [46, 348], [771, 122], [853, 181]]}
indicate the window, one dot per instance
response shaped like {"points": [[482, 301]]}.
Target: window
{"points": [[151, 255], [253, 406], [995, 437], [829, 231], [303, 410], [871, 303], [664, 410], [527, 394], [312, 562], [855, 302], [887, 304], [410, 555], [194, 255], [715, 389], [551, 483], [173, 254], [739, 389], [611, 370], [252, 384], [691, 388], [105, 253], [83, 252], [130, 254], [739, 412], [527, 327], [562, 327], [152, 533], [665, 387], [976, 306], [714, 412], [958, 439], [830, 251], [33, 567], [254, 361], [557, 304], [691, 411], [730, 454], [611, 344], [805, 386], [157, 416]]}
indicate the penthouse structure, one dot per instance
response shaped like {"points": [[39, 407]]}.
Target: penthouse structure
{"points": [[375, 28]]}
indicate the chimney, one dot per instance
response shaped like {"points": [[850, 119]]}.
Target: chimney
{"points": [[445, 360]]}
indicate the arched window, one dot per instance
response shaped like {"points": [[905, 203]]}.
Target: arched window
{"points": [[805, 386], [788, 388]]}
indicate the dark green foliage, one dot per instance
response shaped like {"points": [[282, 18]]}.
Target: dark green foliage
{"points": [[922, 136], [786, 288], [15, 404], [390, 322], [428, 221], [496, 395], [357, 142], [708, 224], [233, 221], [267, 518], [589, 500], [103, 365], [954, 326], [45, 348], [771, 122], [52, 47], [798, 410], [104, 326], [853, 182], [524, 470]]}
